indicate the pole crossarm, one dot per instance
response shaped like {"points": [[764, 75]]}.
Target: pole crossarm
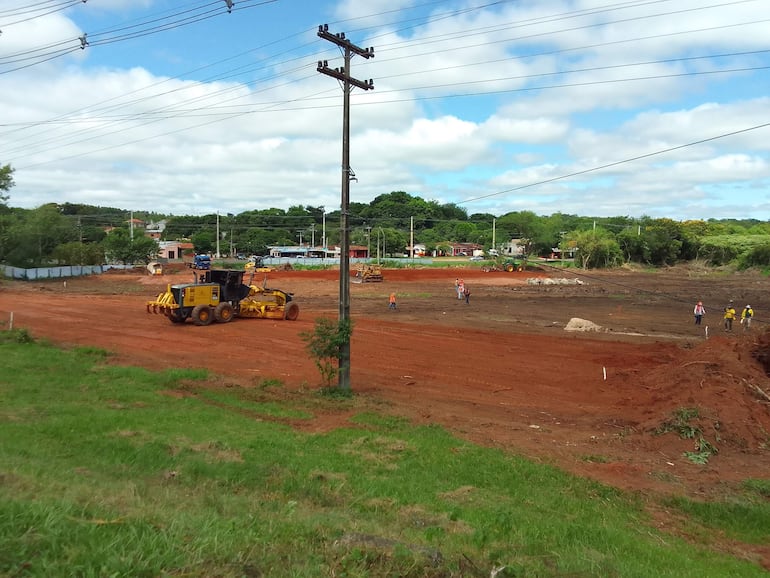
{"points": [[339, 74], [340, 40]]}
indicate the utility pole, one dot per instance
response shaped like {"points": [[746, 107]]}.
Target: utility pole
{"points": [[368, 242], [323, 233], [348, 82], [217, 234], [312, 235], [411, 237]]}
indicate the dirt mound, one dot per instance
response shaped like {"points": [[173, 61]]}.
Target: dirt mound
{"points": [[577, 324], [716, 390]]}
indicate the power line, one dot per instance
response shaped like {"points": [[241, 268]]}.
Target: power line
{"points": [[147, 27], [616, 163], [176, 112]]}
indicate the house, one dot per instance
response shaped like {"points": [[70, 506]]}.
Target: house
{"points": [[174, 249], [459, 249], [293, 251], [358, 252], [514, 248], [419, 250], [155, 230]]}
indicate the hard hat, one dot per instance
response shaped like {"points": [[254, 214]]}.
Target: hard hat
{"points": [[748, 306]]}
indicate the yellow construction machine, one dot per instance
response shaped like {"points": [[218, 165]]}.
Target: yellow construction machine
{"points": [[220, 296], [366, 273]]}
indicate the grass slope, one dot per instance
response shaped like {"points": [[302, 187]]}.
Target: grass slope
{"points": [[117, 471]]}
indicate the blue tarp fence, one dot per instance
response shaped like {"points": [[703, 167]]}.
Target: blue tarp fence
{"points": [[58, 272]]}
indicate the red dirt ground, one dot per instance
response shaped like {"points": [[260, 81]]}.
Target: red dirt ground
{"points": [[500, 371]]}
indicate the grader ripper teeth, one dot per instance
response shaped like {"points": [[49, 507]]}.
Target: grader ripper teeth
{"points": [[221, 296]]}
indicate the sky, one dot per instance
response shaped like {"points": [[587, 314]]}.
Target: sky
{"points": [[599, 108]]}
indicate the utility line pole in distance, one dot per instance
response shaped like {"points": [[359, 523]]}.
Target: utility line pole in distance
{"points": [[348, 82]]}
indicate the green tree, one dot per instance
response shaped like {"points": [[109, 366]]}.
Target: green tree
{"points": [[664, 240], [6, 182], [528, 227], [393, 241], [204, 241], [120, 247], [34, 234], [758, 256], [596, 249], [77, 253]]}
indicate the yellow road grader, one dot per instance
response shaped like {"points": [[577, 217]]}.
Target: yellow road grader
{"points": [[220, 296]]}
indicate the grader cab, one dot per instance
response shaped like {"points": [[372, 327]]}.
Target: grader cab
{"points": [[220, 296]]}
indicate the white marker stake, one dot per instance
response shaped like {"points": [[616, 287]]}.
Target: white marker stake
{"points": [[604, 371], [707, 331], [10, 323]]}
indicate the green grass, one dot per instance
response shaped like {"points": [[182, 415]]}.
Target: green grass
{"points": [[741, 518], [117, 471]]}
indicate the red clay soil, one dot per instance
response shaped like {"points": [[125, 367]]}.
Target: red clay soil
{"points": [[501, 370]]}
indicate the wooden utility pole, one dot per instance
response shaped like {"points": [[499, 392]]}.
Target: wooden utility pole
{"points": [[343, 75]]}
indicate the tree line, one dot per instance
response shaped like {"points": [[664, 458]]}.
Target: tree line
{"points": [[78, 234]]}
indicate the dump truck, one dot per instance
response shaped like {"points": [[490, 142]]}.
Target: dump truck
{"points": [[200, 262], [154, 268], [221, 295]]}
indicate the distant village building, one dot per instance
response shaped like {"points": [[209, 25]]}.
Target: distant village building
{"points": [[419, 250], [174, 249], [155, 230], [514, 248], [458, 249]]}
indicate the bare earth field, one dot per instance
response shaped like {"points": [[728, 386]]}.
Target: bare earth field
{"points": [[500, 371]]}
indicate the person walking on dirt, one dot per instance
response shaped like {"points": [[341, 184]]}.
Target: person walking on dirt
{"points": [[392, 301], [699, 312], [467, 295], [729, 316], [460, 289], [746, 316]]}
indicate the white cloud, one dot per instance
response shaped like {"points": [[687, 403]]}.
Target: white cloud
{"points": [[464, 107]]}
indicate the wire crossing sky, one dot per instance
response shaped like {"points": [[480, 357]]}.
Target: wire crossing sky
{"points": [[589, 107]]}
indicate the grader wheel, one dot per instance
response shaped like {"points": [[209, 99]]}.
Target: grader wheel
{"points": [[509, 267], [175, 316], [224, 313], [291, 312], [202, 315]]}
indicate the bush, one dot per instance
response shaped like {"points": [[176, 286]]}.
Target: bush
{"points": [[324, 344]]}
